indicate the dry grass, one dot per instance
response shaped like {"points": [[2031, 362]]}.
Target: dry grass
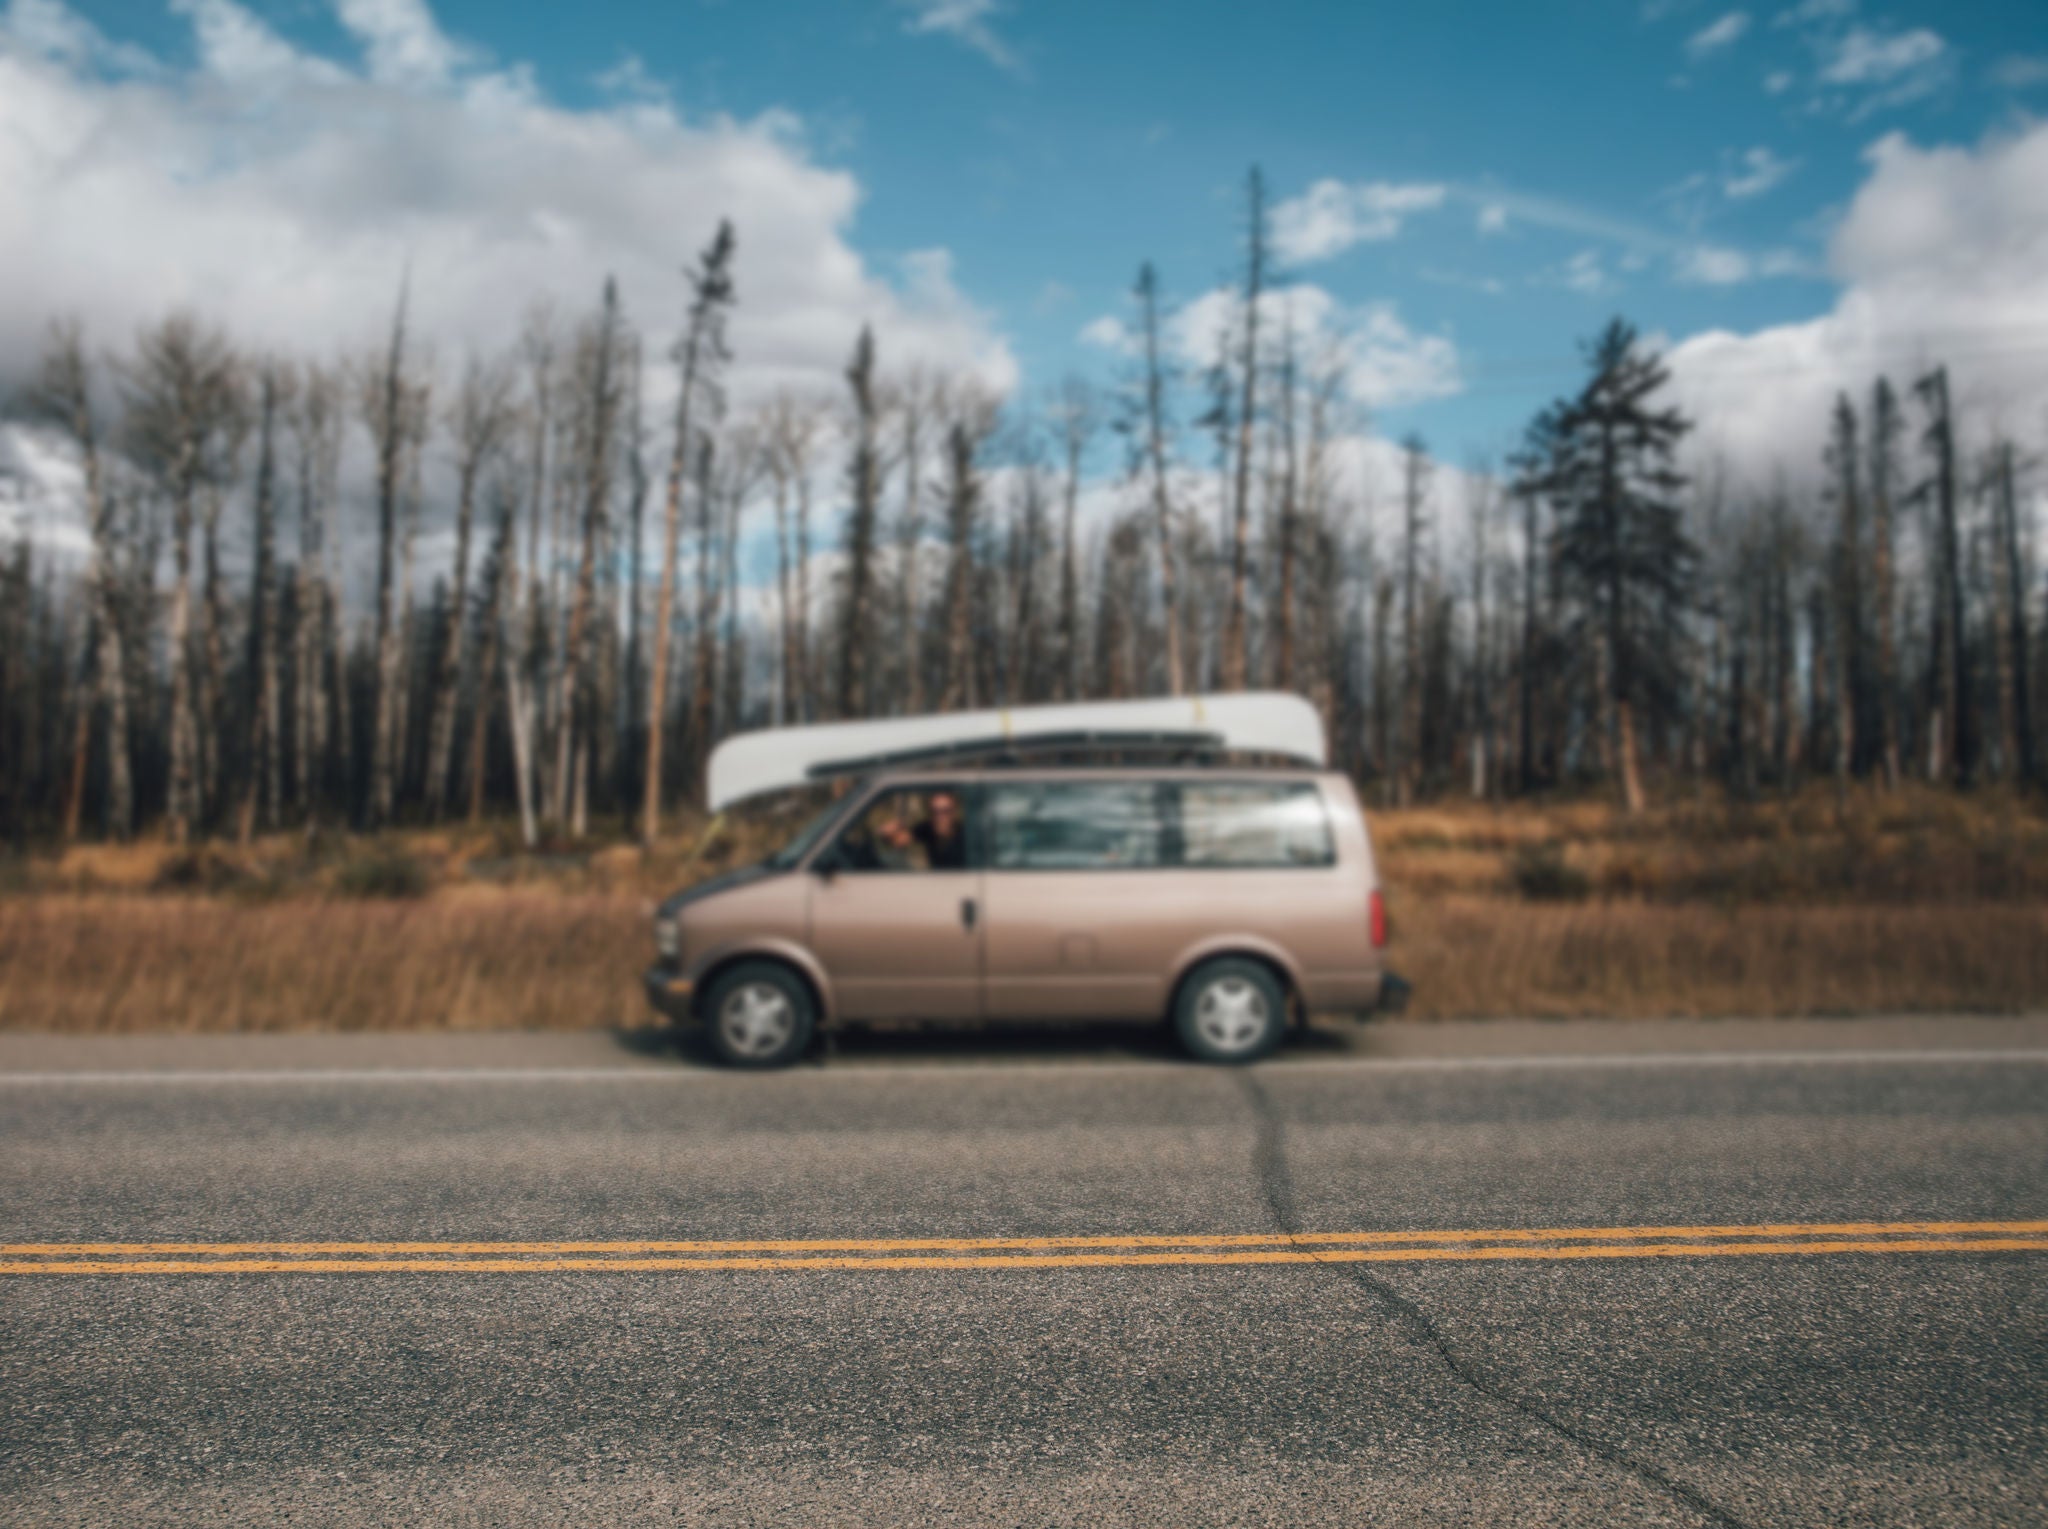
{"points": [[1813, 905], [534, 959], [471, 960], [1472, 957], [1913, 846]]}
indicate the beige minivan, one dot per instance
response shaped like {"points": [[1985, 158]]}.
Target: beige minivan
{"points": [[1226, 901]]}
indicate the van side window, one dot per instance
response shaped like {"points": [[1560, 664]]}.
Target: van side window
{"points": [[1250, 824], [920, 828], [1078, 825]]}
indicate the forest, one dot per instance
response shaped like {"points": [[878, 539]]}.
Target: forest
{"points": [[254, 640]]}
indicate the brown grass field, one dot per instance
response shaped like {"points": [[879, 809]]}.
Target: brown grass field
{"points": [[1914, 901]]}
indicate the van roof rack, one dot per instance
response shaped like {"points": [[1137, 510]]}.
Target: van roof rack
{"points": [[1015, 748]]}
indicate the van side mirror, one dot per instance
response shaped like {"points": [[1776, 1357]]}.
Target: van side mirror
{"points": [[829, 862]]}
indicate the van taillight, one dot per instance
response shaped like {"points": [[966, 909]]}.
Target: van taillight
{"points": [[1376, 914]]}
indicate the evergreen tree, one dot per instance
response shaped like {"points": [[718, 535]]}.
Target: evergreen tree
{"points": [[1620, 542]]}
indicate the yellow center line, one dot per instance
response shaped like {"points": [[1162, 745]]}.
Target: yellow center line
{"points": [[1131, 1250], [1026, 1244], [1610, 1250]]}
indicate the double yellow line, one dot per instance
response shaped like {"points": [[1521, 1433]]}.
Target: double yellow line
{"points": [[1110, 1251]]}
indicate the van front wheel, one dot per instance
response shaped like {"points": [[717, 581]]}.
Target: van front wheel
{"points": [[759, 1014], [1230, 1010]]}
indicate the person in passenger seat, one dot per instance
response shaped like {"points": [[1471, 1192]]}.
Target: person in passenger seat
{"points": [[942, 834]]}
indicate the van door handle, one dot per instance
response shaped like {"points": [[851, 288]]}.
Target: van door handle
{"points": [[967, 912]]}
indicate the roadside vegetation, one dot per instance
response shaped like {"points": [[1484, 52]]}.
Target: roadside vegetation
{"points": [[1812, 904]]}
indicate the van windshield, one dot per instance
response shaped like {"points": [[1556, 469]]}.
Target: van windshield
{"points": [[800, 843]]}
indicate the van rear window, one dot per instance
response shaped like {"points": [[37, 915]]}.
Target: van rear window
{"points": [[1253, 824], [1125, 825]]}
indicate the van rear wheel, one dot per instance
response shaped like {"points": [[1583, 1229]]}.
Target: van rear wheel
{"points": [[759, 1014], [1230, 1010]]}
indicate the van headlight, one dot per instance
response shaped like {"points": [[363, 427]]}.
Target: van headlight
{"points": [[668, 936]]}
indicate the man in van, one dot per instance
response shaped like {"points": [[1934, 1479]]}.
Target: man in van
{"points": [[942, 833]]}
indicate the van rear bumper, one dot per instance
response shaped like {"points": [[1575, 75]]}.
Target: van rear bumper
{"points": [[670, 991]]}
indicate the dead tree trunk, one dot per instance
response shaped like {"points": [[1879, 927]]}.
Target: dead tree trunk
{"points": [[1155, 462], [865, 476], [1236, 630]]}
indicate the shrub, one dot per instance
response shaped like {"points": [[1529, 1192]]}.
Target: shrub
{"points": [[1540, 873], [203, 868], [384, 873]]}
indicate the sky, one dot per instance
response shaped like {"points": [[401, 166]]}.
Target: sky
{"points": [[1789, 196]]}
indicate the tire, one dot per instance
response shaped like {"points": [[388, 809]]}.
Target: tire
{"points": [[1230, 1010], [759, 1014]]}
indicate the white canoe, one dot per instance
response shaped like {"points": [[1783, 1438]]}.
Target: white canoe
{"points": [[782, 758]]}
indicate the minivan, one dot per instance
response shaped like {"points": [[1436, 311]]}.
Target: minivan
{"points": [[1227, 901]]}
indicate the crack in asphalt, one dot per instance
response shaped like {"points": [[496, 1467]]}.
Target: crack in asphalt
{"points": [[1276, 1182]]}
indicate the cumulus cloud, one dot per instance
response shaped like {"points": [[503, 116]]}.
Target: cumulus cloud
{"points": [[1331, 216], [1381, 361], [283, 193], [1942, 256], [1717, 36]]}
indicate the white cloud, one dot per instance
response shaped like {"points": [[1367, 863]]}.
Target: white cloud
{"points": [[1871, 69], [966, 22], [1109, 333], [402, 42], [1493, 218], [2020, 71], [1585, 273], [283, 193], [1807, 12], [1717, 36], [1382, 361], [1712, 266], [1330, 217], [1864, 57], [1940, 258], [1759, 171], [1778, 81]]}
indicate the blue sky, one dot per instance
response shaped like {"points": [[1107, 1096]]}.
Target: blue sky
{"points": [[1052, 146], [1464, 192]]}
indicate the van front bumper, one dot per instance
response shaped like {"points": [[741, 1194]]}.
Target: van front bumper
{"points": [[670, 991]]}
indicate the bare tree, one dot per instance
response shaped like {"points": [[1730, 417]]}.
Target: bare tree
{"points": [[385, 403], [864, 474], [1951, 644], [700, 354], [1077, 417], [599, 422], [1236, 630], [263, 787], [1155, 458], [793, 423], [479, 421], [62, 393], [974, 418], [1884, 436], [1416, 472], [181, 395]]}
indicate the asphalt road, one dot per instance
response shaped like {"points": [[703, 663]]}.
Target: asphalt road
{"points": [[1331, 1322]]}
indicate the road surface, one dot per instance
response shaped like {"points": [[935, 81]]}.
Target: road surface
{"points": [[1546, 1274]]}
